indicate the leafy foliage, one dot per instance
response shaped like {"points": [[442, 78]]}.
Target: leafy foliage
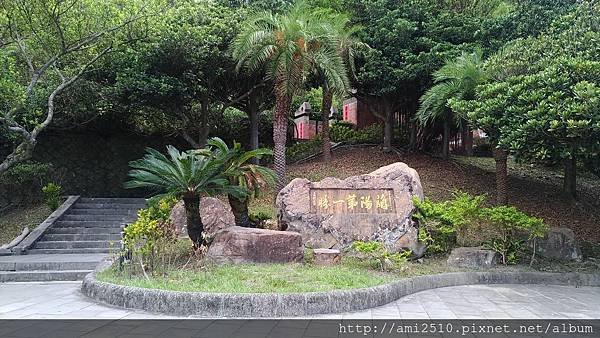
{"points": [[509, 224], [377, 252], [303, 149], [346, 132], [52, 193], [503, 229]]}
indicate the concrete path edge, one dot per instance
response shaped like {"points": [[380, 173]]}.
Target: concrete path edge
{"points": [[308, 303]]}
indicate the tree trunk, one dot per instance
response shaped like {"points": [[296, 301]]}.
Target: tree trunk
{"points": [[280, 124], [239, 208], [468, 140], [203, 128], [446, 139], [388, 134], [500, 156], [325, 110], [195, 228], [254, 125], [570, 180], [412, 146]]}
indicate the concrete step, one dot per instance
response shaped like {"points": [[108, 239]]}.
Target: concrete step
{"points": [[108, 206], [47, 266], [42, 276], [103, 217], [89, 224], [72, 251], [115, 212], [81, 237], [84, 230], [75, 244], [112, 200]]}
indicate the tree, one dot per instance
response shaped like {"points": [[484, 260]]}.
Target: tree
{"points": [[240, 172], [409, 40], [183, 79], [50, 44], [289, 46], [347, 45], [187, 175], [542, 101], [456, 79]]}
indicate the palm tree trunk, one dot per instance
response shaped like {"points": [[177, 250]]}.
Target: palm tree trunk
{"points": [[280, 124], [500, 156], [239, 208], [325, 110], [446, 138], [194, 221], [570, 181], [254, 125]]}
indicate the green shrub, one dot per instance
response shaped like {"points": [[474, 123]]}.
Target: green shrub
{"points": [[22, 184], [440, 223], [376, 252], [150, 234], [303, 149], [463, 220], [512, 229], [52, 195], [345, 132]]}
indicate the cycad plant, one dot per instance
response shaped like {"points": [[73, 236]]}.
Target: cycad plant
{"points": [[186, 175], [239, 171], [456, 79], [288, 47]]}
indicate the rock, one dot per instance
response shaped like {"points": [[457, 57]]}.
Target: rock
{"points": [[250, 245], [327, 257], [301, 209], [476, 257], [559, 244], [215, 214]]}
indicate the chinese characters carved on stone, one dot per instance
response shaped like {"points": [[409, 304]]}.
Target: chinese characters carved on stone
{"points": [[351, 201]]}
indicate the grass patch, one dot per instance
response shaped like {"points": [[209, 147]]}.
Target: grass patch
{"points": [[261, 278], [13, 221]]}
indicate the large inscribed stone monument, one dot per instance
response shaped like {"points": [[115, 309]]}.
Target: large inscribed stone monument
{"points": [[332, 213]]}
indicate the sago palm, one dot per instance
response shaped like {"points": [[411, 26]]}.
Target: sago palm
{"points": [[288, 46], [250, 177], [187, 175], [456, 79]]}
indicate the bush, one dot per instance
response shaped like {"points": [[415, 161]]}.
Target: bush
{"points": [[147, 238], [464, 221], [440, 223], [512, 229], [303, 150], [344, 132], [22, 184], [52, 195], [377, 252]]}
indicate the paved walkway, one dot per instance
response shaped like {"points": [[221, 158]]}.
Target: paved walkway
{"points": [[63, 300]]}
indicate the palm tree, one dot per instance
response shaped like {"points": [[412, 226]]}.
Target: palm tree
{"points": [[289, 46], [456, 79], [347, 46], [187, 175], [240, 172]]}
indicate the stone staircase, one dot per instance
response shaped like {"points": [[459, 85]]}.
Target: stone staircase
{"points": [[71, 248]]}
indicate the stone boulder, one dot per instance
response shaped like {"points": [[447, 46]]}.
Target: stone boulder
{"points": [[559, 244], [250, 245], [301, 208], [475, 257], [327, 257], [216, 216]]}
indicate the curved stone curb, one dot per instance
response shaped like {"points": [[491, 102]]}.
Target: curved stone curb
{"points": [[308, 303]]}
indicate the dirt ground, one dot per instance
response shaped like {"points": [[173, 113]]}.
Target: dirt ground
{"points": [[534, 193]]}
